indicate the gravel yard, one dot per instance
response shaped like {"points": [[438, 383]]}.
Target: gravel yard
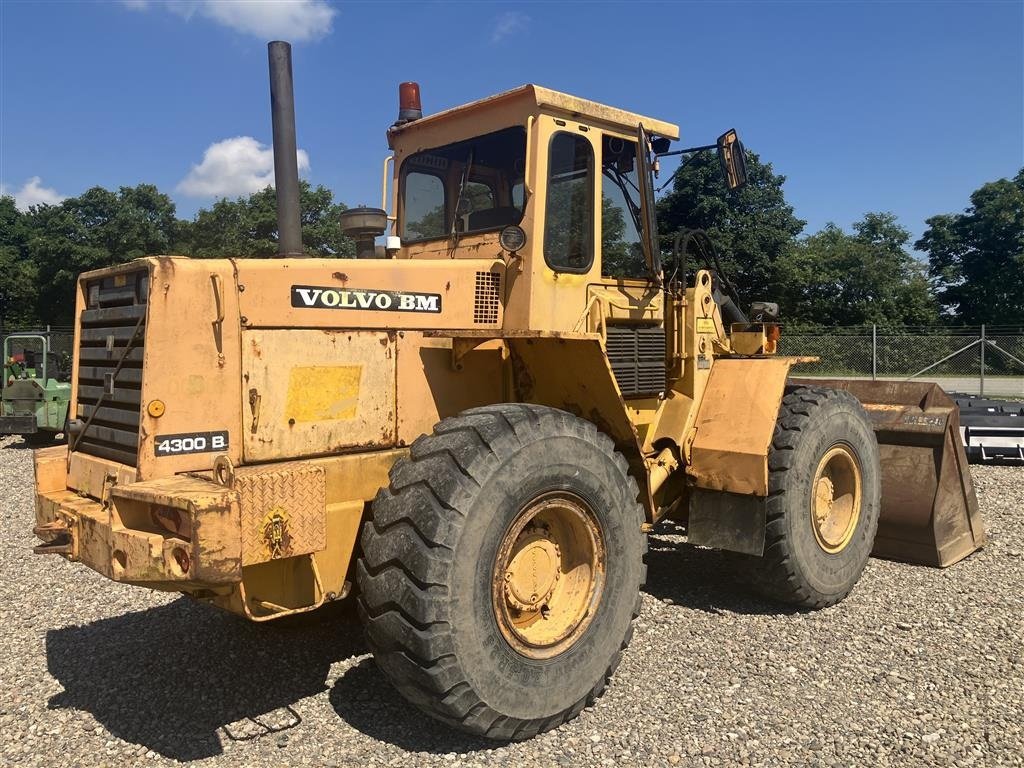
{"points": [[917, 667]]}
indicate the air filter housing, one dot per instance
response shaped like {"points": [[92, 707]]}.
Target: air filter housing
{"points": [[364, 225]]}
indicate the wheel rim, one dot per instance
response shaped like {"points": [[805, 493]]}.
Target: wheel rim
{"points": [[836, 499], [548, 575]]}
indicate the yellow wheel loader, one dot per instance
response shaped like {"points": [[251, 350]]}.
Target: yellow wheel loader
{"points": [[472, 426]]}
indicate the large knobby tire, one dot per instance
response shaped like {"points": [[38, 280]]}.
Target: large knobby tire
{"points": [[815, 551], [432, 574]]}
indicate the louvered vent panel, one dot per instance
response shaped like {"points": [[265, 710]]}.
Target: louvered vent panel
{"points": [[637, 358], [109, 387], [487, 300]]}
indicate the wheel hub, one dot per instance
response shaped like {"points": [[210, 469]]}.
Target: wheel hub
{"points": [[533, 571], [836, 499], [548, 575], [824, 497]]}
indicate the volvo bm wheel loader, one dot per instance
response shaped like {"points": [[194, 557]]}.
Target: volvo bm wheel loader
{"points": [[472, 428]]}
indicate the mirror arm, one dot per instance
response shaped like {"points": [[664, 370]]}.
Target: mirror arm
{"points": [[684, 151]]}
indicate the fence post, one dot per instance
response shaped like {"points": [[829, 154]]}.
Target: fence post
{"points": [[874, 351], [982, 360]]}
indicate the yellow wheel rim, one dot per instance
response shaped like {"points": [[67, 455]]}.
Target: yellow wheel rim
{"points": [[836, 499], [548, 575]]}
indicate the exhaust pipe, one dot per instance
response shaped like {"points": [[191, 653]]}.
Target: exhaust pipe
{"points": [[286, 164]]}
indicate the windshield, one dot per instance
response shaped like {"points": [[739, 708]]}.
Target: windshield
{"points": [[621, 252], [470, 186]]}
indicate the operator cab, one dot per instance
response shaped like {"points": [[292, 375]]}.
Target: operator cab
{"points": [[566, 174]]}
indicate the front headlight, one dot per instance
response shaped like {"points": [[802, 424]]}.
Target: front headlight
{"points": [[512, 238]]}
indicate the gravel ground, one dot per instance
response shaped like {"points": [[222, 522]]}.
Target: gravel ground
{"points": [[917, 667]]}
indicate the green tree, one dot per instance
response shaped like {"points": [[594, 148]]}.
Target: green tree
{"points": [[621, 252], [976, 258], [97, 229], [752, 228], [836, 278], [17, 270], [247, 227]]}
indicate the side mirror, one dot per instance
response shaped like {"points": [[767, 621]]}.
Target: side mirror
{"points": [[732, 159]]}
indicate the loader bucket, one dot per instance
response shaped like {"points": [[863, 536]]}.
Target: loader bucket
{"points": [[929, 510]]}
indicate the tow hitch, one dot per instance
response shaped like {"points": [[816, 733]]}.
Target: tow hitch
{"points": [[56, 536]]}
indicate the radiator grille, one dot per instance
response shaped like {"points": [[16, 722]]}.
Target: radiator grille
{"points": [[487, 298], [111, 333], [637, 357]]}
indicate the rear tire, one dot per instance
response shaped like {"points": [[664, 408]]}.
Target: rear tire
{"points": [[439, 569], [823, 502]]}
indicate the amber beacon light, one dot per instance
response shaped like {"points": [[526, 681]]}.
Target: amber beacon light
{"points": [[409, 107]]}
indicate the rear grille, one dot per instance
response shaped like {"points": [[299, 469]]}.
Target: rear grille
{"points": [[487, 298], [637, 357], [112, 333]]}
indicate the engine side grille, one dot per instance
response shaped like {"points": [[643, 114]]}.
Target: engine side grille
{"points": [[112, 333], [637, 357], [487, 299]]}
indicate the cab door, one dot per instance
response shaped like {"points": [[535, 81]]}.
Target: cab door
{"points": [[627, 303]]}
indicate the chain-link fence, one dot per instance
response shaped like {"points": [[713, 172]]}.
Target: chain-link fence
{"points": [[983, 360]]}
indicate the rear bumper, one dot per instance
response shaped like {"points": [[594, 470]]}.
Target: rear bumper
{"points": [[177, 533], [18, 425]]}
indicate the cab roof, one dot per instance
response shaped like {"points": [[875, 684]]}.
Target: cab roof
{"points": [[554, 102]]}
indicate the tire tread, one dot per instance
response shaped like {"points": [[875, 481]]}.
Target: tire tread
{"points": [[407, 545], [774, 574]]}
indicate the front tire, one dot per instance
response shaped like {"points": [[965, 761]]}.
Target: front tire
{"points": [[500, 570], [824, 488]]}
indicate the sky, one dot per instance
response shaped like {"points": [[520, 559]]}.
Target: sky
{"points": [[863, 106]]}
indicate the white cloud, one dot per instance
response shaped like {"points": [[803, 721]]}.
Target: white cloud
{"points": [[31, 193], [234, 167], [294, 20], [509, 23]]}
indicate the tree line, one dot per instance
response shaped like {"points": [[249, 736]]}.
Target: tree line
{"points": [[971, 270], [43, 250]]}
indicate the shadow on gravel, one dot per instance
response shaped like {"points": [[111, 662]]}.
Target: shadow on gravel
{"points": [[703, 579], [364, 699], [168, 678], [694, 578], [26, 444]]}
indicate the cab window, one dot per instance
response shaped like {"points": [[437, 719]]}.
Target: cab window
{"points": [[569, 212], [424, 206], [463, 187], [622, 254]]}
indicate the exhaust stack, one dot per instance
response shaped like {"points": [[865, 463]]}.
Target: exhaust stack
{"points": [[286, 164]]}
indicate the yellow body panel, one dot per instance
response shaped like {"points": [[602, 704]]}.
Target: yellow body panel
{"points": [[297, 410], [429, 379], [734, 425], [323, 392]]}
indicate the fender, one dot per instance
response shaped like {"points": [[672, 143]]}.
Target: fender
{"points": [[570, 371], [734, 424]]}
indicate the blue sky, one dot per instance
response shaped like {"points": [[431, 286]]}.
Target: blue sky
{"points": [[903, 106]]}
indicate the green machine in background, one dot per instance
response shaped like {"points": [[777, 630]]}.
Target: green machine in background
{"points": [[36, 388]]}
